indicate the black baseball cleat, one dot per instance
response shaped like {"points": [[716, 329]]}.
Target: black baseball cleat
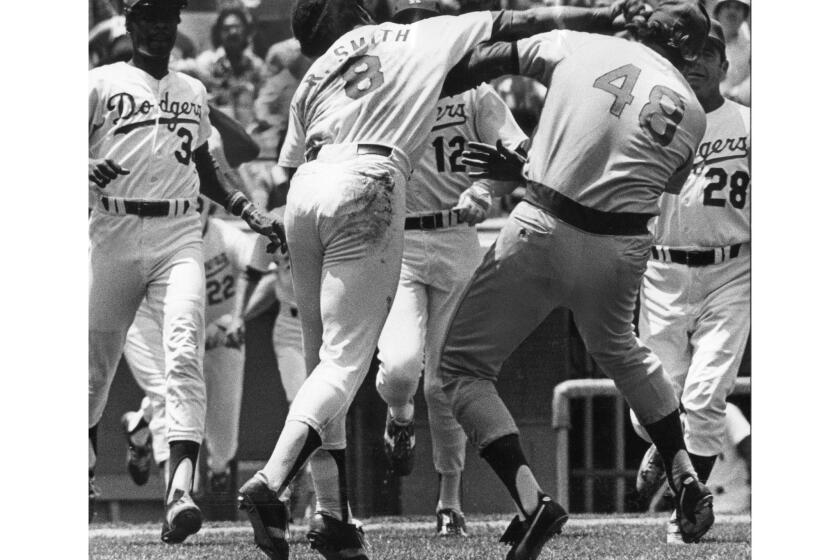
{"points": [[399, 445], [138, 457], [335, 539], [695, 515], [182, 518], [527, 538], [651, 475], [268, 517], [450, 522]]}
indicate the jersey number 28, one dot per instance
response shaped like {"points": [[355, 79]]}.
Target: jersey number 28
{"points": [[659, 116], [362, 76]]}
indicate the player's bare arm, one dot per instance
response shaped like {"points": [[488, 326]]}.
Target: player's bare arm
{"points": [[103, 171], [214, 186]]}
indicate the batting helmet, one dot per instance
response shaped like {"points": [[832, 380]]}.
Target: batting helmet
{"points": [[679, 25], [407, 11]]}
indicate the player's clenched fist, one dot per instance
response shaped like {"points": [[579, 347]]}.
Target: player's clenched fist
{"points": [[473, 204], [103, 171]]}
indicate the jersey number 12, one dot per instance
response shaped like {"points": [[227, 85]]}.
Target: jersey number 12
{"points": [[659, 116]]}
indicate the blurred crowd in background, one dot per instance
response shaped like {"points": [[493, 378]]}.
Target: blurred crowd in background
{"points": [[243, 52]]}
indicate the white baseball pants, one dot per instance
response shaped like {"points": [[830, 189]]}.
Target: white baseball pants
{"points": [[436, 267], [161, 260], [697, 320], [344, 224], [288, 348], [223, 371], [537, 264]]}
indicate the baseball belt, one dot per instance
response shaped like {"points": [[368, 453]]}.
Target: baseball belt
{"points": [[704, 257], [146, 208], [360, 149], [436, 220], [587, 219]]}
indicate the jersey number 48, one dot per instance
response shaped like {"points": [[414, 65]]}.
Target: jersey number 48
{"points": [[659, 116]]}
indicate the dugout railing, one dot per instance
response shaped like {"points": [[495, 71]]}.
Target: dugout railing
{"points": [[561, 422]]}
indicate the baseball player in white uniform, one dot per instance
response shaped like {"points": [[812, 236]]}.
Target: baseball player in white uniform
{"points": [[620, 125], [148, 131], [695, 297], [358, 124], [440, 254], [228, 258]]}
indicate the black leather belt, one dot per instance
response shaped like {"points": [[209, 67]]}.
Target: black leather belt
{"points": [[437, 220], [587, 219], [144, 208], [361, 150], [696, 258]]}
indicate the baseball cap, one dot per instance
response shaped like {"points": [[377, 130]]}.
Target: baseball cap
{"points": [[686, 22], [719, 3], [403, 9], [716, 38], [136, 4]]}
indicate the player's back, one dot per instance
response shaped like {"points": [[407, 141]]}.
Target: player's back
{"points": [[619, 120], [378, 84]]}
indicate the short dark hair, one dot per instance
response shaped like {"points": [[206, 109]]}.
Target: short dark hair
{"points": [[231, 10], [318, 23]]}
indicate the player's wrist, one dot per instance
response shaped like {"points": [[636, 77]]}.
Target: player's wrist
{"points": [[238, 204]]}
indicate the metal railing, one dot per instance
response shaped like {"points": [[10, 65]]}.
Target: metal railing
{"points": [[561, 421]]}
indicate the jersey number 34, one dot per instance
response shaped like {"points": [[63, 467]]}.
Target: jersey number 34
{"points": [[659, 116]]}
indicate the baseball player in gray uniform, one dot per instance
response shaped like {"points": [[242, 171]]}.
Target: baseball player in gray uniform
{"points": [[440, 254], [620, 126], [358, 124], [695, 297], [148, 131]]}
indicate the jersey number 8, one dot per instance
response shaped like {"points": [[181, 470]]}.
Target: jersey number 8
{"points": [[362, 76], [659, 116]]}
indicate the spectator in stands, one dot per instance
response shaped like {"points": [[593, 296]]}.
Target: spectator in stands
{"points": [[286, 66], [231, 63], [733, 16]]}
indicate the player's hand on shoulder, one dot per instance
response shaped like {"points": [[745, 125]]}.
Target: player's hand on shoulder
{"points": [[103, 171], [493, 162], [474, 204]]}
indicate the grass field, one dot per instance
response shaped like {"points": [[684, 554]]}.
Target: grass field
{"points": [[585, 537]]}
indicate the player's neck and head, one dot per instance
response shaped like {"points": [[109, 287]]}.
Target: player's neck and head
{"points": [[705, 74], [152, 26], [317, 24]]}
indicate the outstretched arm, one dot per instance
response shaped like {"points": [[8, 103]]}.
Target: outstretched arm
{"points": [[510, 25], [500, 56], [213, 185]]}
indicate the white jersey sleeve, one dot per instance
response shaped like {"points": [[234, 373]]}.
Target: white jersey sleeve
{"points": [[494, 121], [539, 54], [293, 151]]}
